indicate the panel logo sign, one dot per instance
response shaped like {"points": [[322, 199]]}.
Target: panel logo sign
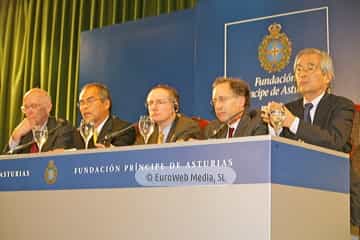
{"points": [[275, 50], [262, 50], [51, 173]]}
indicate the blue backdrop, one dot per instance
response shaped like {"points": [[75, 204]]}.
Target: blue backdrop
{"points": [[189, 49]]}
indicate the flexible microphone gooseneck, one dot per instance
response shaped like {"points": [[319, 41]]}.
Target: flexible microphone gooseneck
{"points": [[225, 123]]}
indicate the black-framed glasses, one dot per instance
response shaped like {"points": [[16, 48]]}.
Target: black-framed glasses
{"points": [[88, 101]]}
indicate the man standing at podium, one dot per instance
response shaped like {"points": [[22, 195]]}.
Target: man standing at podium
{"points": [[95, 107], [318, 117], [231, 101], [37, 106]]}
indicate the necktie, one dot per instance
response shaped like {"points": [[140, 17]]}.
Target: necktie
{"points": [[307, 108], [95, 136], [34, 148], [160, 138], [231, 132]]}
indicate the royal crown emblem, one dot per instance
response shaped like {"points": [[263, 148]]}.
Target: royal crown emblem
{"points": [[51, 173], [275, 50]]}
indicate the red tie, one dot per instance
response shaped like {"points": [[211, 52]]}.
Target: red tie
{"points": [[231, 132], [34, 148]]}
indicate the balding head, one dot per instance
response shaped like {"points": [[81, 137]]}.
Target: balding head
{"points": [[37, 106]]}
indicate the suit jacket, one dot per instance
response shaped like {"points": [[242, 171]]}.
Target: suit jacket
{"points": [[182, 128], [250, 125], [111, 125], [60, 135], [331, 126]]}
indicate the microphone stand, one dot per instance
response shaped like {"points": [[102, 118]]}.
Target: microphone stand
{"points": [[225, 123], [108, 137]]}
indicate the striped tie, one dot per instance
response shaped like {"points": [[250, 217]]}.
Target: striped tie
{"points": [[160, 138], [231, 132], [95, 136]]}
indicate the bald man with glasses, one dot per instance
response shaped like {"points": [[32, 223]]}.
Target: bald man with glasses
{"points": [[36, 108]]}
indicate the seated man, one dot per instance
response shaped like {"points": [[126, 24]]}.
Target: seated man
{"points": [[317, 117], [231, 101], [95, 106], [36, 107], [163, 106]]}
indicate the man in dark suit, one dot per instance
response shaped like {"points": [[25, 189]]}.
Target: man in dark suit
{"points": [[95, 106], [170, 126], [318, 117], [231, 101], [36, 107]]}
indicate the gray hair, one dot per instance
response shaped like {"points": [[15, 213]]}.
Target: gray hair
{"points": [[326, 63]]}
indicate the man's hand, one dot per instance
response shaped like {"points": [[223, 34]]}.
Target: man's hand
{"points": [[271, 106], [22, 129]]}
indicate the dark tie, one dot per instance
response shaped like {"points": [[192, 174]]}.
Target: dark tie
{"points": [[307, 108], [231, 132], [34, 148]]}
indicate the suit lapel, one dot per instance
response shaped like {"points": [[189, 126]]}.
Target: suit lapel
{"points": [[171, 137], [154, 135], [107, 128], [322, 110], [51, 124], [242, 126], [299, 108]]}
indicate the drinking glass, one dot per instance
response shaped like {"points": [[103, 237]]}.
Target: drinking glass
{"points": [[277, 117], [86, 131], [40, 136], [146, 127]]}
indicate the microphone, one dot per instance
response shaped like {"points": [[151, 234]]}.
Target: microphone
{"points": [[110, 136], [225, 123], [20, 147], [59, 123]]}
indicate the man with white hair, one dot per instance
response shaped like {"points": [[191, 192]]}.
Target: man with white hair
{"points": [[37, 106], [318, 117]]}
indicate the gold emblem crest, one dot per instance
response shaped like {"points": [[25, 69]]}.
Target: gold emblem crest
{"points": [[51, 173], [275, 50]]}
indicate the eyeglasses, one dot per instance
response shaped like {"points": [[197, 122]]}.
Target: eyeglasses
{"points": [[309, 68], [26, 108], [88, 101], [157, 102], [221, 99]]}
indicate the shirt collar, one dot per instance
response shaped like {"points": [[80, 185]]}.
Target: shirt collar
{"points": [[315, 101], [101, 125], [166, 130], [234, 124]]}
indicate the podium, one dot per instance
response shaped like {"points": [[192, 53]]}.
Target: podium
{"points": [[258, 188]]}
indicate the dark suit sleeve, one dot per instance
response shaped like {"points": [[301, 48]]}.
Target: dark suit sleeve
{"points": [[128, 138], [64, 137], [185, 129], [258, 125], [209, 130], [335, 131]]}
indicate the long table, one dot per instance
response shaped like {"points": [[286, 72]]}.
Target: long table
{"points": [[245, 188]]}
